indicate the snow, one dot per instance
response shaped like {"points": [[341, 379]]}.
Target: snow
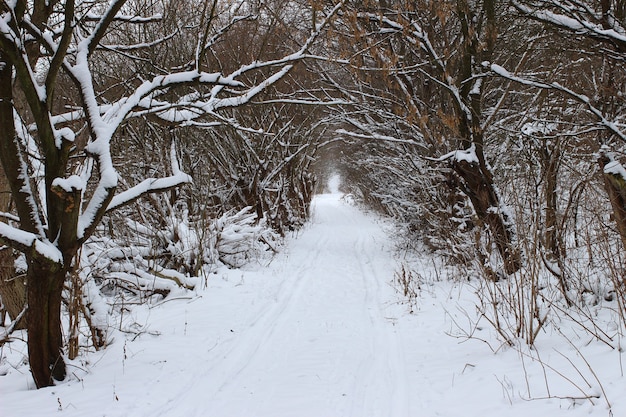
{"points": [[71, 184], [25, 239], [615, 168], [575, 24], [148, 185], [468, 155], [541, 128], [334, 182], [322, 332], [62, 134]]}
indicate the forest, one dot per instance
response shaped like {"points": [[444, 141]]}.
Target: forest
{"points": [[146, 143]]}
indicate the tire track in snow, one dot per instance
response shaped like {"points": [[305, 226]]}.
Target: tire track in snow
{"points": [[383, 389], [324, 343], [261, 331], [245, 347]]}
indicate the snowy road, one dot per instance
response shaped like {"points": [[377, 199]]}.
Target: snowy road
{"points": [[320, 332], [323, 347]]}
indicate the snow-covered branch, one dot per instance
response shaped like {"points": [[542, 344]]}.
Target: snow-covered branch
{"points": [[372, 136], [102, 25], [124, 18], [152, 185], [138, 46], [580, 19], [149, 185], [609, 125], [29, 243]]}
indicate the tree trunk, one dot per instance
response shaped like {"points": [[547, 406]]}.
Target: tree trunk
{"points": [[12, 291], [477, 179], [45, 339], [552, 234], [484, 198], [615, 186], [12, 288]]}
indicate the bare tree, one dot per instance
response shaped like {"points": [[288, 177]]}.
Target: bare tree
{"points": [[599, 29], [56, 151], [422, 63]]}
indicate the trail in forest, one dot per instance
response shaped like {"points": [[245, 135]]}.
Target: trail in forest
{"points": [[318, 332], [323, 346]]}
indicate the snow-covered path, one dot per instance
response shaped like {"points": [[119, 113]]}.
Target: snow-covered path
{"points": [[319, 332], [323, 347], [305, 336]]}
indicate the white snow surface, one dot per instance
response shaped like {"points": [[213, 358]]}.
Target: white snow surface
{"points": [[70, 184], [615, 168], [320, 332]]}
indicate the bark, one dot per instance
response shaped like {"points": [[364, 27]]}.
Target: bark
{"points": [[481, 192], [12, 291], [12, 288], [43, 318], [45, 281], [552, 234], [615, 187]]}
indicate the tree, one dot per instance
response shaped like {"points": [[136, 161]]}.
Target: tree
{"points": [[599, 29], [426, 59], [12, 289], [56, 149]]}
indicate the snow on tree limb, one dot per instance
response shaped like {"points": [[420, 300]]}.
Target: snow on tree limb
{"points": [[612, 126], [90, 16], [29, 243], [579, 20], [116, 113], [468, 155], [138, 46], [104, 119], [152, 185], [149, 185], [103, 24], [372, 136]]}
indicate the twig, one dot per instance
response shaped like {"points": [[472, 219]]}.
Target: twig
{"points": [[5, 337], [595, 376]]}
